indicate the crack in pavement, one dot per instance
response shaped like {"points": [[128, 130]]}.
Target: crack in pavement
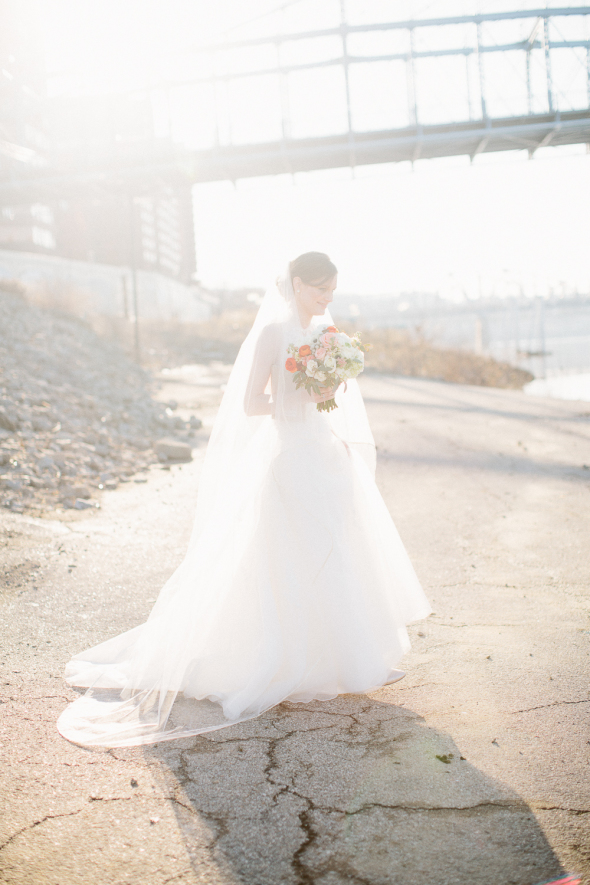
{"points": [[307, 876], [309, 833], [462, 809], [45, 697], [178, 877], [38, 823], [420, 685], [553, 704], [576, 811], [217, 822]]}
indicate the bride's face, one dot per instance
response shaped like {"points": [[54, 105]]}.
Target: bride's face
{"points": [[314, 299]]}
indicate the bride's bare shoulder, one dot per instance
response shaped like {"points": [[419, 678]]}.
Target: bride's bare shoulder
{"points": [[271, 335], [275, 328]]}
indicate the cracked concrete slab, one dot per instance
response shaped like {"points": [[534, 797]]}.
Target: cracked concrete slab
{"points": [[472, 769]]}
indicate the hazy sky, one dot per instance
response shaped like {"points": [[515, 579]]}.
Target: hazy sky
{"points": [[448, 226]]}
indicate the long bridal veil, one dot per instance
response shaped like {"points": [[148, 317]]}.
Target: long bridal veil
{"points": [[180, 673]]}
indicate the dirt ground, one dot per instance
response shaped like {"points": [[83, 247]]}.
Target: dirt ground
{"points": [[474, 769]]}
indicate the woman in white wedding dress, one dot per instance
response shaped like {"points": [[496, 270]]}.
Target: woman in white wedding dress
{"points": [[296, 585]]}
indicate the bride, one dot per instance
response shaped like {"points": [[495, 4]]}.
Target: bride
{"points": [[296, 585]]}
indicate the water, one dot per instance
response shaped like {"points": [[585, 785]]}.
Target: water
{"points": [[572, 387], [549, 339]]}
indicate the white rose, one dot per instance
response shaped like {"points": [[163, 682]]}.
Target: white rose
{"points": [[320, 376], [330, 363], [311, 368]]}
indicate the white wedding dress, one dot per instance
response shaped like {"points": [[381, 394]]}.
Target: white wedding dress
{"points": [[296, 585]]}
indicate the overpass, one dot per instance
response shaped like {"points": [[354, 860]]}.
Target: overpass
{"points": [[545, 108]]}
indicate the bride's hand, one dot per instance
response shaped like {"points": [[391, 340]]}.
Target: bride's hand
{"points": [[326, 394]]}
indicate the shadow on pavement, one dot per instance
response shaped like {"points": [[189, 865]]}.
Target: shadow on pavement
{"points": [[352, 790]]}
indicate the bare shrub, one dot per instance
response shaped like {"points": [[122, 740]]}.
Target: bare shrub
{"points": [[169, 343], [13, 287], [393, 351], [61, 295], [399, 352]]}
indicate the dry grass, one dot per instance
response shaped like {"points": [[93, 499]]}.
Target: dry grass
{"points": [[394, 351], [166, 344], [398, 352], [169, 343], [57, 295]]}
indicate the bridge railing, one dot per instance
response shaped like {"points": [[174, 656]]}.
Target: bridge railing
{"points": [[436, 70]]}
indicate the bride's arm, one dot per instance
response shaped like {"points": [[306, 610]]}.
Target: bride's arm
{"points": [[256, 401]]}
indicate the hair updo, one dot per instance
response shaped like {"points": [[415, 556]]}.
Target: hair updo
{"points": [[313, 268]]}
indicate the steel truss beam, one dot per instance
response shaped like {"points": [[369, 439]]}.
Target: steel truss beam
{"points": [[349, 59], [172, 163], [394, 146], [407, 25], [306, 155]]}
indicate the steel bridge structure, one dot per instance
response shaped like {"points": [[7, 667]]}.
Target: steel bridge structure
{"points": [[108, 177], [560, 122], [539, 108]]}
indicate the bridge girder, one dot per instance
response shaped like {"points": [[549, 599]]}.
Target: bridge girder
{"points": [[306, 155], [152, 162], [423, 142]]}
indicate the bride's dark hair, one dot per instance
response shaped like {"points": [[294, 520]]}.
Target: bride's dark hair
{"points": [[313, 268]]}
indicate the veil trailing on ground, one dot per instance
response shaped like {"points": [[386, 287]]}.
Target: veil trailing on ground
{"points": [[176, 675]]}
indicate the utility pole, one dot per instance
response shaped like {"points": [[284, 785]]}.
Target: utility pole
{"points": [[134, 286]]}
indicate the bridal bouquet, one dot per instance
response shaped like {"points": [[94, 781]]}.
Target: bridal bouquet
{"points": [[325, 360]]}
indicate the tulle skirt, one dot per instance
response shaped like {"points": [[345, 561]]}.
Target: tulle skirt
{"points": [[298, 588]]}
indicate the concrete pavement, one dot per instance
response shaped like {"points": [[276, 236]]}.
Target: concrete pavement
{"points": [[474, 769]]}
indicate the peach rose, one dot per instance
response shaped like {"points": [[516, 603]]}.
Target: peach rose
{"points": [[321, 352]]}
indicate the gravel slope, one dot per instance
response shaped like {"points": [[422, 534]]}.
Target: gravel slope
{"points": [[76, 415]]}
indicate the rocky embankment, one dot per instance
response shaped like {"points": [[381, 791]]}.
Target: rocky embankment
{"points": [[76, 415]]}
